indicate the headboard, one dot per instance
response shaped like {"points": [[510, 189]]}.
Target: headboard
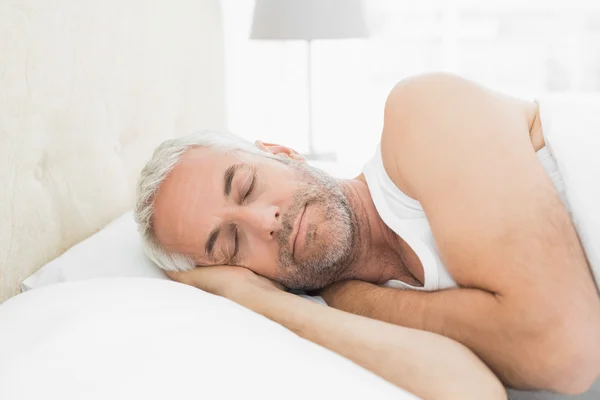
{"points": [[87, 90]]}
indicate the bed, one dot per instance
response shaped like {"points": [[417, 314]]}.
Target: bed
{"points": [[87, 91]]}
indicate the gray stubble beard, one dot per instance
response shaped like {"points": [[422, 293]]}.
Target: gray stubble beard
{"points": [[332, 255]]}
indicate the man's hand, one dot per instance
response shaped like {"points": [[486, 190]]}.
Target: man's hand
{"points": [[225, 281]]}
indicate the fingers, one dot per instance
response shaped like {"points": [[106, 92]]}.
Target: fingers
{"points": [[224, 280], [279, 150]]}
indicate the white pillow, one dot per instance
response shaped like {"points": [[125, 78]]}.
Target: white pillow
{"points": [[115, 251], [154, 339]]}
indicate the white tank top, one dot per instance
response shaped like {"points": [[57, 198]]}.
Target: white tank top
{"points": [[405, 216]]}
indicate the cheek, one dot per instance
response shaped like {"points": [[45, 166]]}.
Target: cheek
{"points": [[281, 181], [263, 259], [282, 188]]}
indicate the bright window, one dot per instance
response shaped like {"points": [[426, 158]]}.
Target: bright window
{"points": [[525, 48]]}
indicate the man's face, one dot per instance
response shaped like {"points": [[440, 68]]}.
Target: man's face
{"points": [[280, 218]]}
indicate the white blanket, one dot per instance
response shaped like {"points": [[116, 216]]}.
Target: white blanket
{"points": [[571, 126]]}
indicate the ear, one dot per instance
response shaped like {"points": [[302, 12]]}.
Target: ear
{"points": [[279, 150]]}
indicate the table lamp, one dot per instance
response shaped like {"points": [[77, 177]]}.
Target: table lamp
{"points": [[309, 20]]}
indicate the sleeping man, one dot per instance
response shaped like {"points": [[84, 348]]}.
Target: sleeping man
{"points": [[457, 226]]}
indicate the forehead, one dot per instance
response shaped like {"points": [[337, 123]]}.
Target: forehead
{"points": [[187, 200]]}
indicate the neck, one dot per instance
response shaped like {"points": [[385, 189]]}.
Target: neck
{"points": [[377, 255]]}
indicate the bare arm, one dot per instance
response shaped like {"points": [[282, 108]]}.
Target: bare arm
{"points": [[528, 306], [471, 316], [426, 364]]}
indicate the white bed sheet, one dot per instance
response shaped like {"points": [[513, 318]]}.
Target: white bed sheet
{"points": [[571, 126]]}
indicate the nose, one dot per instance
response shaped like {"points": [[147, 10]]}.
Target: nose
{"points": [[265, 221]]}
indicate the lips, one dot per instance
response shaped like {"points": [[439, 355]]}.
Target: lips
{"points": [[296, 229]]}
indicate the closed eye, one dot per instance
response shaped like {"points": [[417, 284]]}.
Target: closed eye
{"points": [[251, 188], [233, 260]]}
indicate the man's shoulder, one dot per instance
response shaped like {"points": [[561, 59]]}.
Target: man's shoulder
{"points": [[430, 115], [411, 101]]}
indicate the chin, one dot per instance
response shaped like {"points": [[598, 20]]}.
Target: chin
{"points": [[315, 272]]}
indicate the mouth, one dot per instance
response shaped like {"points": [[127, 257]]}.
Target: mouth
{"points": [[296, 230]]}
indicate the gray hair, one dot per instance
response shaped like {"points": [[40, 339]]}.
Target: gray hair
{"points": [[164, 159]]}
